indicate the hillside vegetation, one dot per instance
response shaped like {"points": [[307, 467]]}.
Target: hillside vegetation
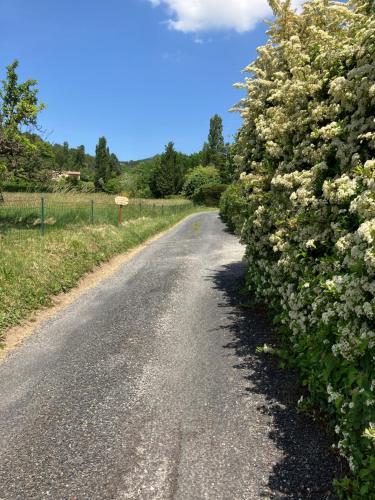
{"points": [[304, 204]]}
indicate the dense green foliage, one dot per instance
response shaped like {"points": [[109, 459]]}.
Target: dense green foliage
{"points": [[209, 194], [233, 207], [106, 167], [305, 207], [198, 177], [137, 176], [19, 108], [73, 159], [167, 176]]}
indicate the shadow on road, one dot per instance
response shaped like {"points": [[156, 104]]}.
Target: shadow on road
{"points": [[309, 466]]}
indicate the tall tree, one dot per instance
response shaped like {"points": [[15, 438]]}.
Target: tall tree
{"points": [[214, 151], [215, 136], [101, 164], [167, 176], [106, 166]]}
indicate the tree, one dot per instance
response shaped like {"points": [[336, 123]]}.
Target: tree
{"points": [[114, 165], [194, 160], [167, 177], [215, 136], [39, 162], [206, 155], [106, 165], [64, 158], [214, 151], [101, 164], [228, 169], [19, 106], [143, 180], [79, 158], [198, 177], [74, 159], [19, 109]]}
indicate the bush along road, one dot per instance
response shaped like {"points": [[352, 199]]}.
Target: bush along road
{"points": [[149, 386]]}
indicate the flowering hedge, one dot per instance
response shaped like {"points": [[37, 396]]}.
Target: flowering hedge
{"points": [[307, 215]]}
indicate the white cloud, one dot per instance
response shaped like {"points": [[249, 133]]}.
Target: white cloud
{"points": [[204, 15]]}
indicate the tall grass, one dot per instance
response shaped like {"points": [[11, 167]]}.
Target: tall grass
{"points": [[24, 210], [77, 198]]}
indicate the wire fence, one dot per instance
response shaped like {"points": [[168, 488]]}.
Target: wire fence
{"points": [[48, 213]]}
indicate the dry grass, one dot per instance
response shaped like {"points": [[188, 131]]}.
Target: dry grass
{"points": [[81, 198], [23, 210]]}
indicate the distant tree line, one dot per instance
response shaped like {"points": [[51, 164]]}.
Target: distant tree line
{"points": [[172, 172], [27, 161]]}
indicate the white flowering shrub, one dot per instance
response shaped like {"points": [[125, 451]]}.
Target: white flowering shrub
{"points": [[306, 159]]}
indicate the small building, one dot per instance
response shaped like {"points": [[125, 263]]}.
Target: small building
{"points": [[66, 174]]}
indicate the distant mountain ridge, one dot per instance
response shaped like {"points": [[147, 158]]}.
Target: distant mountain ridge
{"points": [[136, 163]]}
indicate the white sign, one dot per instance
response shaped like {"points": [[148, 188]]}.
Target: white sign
{"points": [[121, 200]]}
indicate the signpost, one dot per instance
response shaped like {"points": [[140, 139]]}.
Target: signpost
{"points": [[121, 201]]}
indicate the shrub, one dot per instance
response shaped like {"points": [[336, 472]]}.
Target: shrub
{"points": [[87, 187], [114, 186], [24, 186], [199, 177], [209, 194], [306, 150], [233, 207]]}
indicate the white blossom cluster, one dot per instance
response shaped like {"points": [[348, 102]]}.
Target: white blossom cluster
{"points": [[306, 152]]}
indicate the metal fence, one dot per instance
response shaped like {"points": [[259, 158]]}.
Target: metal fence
{"points": [[46, 213]]}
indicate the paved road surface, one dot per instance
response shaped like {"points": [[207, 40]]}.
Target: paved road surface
{"points": [[148, 387]]}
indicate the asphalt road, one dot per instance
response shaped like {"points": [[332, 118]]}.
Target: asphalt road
{"points": [[149, 387]]}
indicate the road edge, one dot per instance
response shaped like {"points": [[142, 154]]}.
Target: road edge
{"points": [[15, 336]]}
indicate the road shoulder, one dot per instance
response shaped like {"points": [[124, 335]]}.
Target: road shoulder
{"points": [[15, 336]]}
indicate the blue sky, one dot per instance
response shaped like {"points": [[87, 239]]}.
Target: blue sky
{"points": [[122, 69]]}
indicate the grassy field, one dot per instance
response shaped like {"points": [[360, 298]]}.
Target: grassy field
{"points": [[33, 268], [82, 198], [24, 210]]}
